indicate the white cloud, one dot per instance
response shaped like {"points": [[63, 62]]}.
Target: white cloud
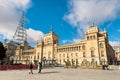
{"points": [[82, 12], [76, 40], [114, 43], [70, 41], [66, 41], [34, 35], [10, 13]]}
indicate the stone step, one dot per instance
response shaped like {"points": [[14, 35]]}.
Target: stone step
{"points": [[114, 67]]}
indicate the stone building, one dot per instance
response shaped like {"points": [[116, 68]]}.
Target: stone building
{"points": [[117, 50], [95, 48]]}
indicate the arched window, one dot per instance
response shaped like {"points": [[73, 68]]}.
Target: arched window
{"points": [[87, 37], [90, 37], [92, 54], [38, 56], [83, 47], [102, 53], [94, 37], [84, 54]]}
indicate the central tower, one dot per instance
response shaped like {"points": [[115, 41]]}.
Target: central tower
{"points": [[50, 41]]}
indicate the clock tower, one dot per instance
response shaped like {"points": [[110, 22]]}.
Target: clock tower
{"points": [[50, 41]]}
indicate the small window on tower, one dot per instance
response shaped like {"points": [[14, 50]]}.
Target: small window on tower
{"points": [[88, 37], [101, 45]]}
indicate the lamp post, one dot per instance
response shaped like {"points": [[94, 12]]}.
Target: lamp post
{"points": [[44, 60]]}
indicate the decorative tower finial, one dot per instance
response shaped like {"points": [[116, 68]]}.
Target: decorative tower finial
{"points": [[51, 29], [104, 30], [93, 24]]}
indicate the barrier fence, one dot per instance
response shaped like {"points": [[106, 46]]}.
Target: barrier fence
{"points": [[14, 67]]}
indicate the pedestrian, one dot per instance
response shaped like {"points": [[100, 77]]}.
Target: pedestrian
{"points": [[39, 67], [31, 67]]}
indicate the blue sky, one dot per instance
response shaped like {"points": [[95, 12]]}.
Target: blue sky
{"points": [[69, 18], [43, 14]]}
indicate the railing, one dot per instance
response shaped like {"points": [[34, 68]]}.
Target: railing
{"points": [[15, 67]]}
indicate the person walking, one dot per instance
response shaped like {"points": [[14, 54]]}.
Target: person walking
{"points": [[39, 67], [31, 67]]}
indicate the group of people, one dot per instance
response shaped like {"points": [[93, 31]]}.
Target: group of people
{"points": [[39, 68]]}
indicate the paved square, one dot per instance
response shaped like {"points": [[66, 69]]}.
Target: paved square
{"points": [[61, 74]]}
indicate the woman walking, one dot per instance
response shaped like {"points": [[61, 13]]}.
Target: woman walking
{"points": [[31, 67]]}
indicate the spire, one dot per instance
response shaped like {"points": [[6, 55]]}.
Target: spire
{"points": [[104, 30], [51, 29], [93, 23]]}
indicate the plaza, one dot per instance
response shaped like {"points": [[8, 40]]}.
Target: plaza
{"points": [[60, 74]]}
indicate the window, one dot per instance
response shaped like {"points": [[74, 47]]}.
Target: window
{"points": [[38, 56], [84, 60], [76, 54], [83, 47], [102, 53], [60, 61], [92, 54], [63, 55], [76, 61], [84, 54], [93, 60], [79, 47], [88, 37], [59, 55], [71, 54], [49, 55], [34, 57], [67, 55], [94, 37], [101, 45]]}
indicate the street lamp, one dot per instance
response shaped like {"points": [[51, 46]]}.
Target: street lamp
{"points": [[44, 59]]}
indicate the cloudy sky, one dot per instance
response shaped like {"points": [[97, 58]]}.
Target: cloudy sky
{"points": [[69, 18]]}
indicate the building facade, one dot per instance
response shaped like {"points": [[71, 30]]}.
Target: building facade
{"points": [[117, 50], [95, 48]]}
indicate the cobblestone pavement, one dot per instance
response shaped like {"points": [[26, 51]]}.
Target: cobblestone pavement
{"points": [[61, 74]]}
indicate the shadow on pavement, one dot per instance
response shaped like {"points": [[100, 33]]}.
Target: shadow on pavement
{"points": [[49, 72], [46, 72]]}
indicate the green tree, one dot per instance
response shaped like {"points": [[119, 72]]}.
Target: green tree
{"points": [[2, 51]]}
